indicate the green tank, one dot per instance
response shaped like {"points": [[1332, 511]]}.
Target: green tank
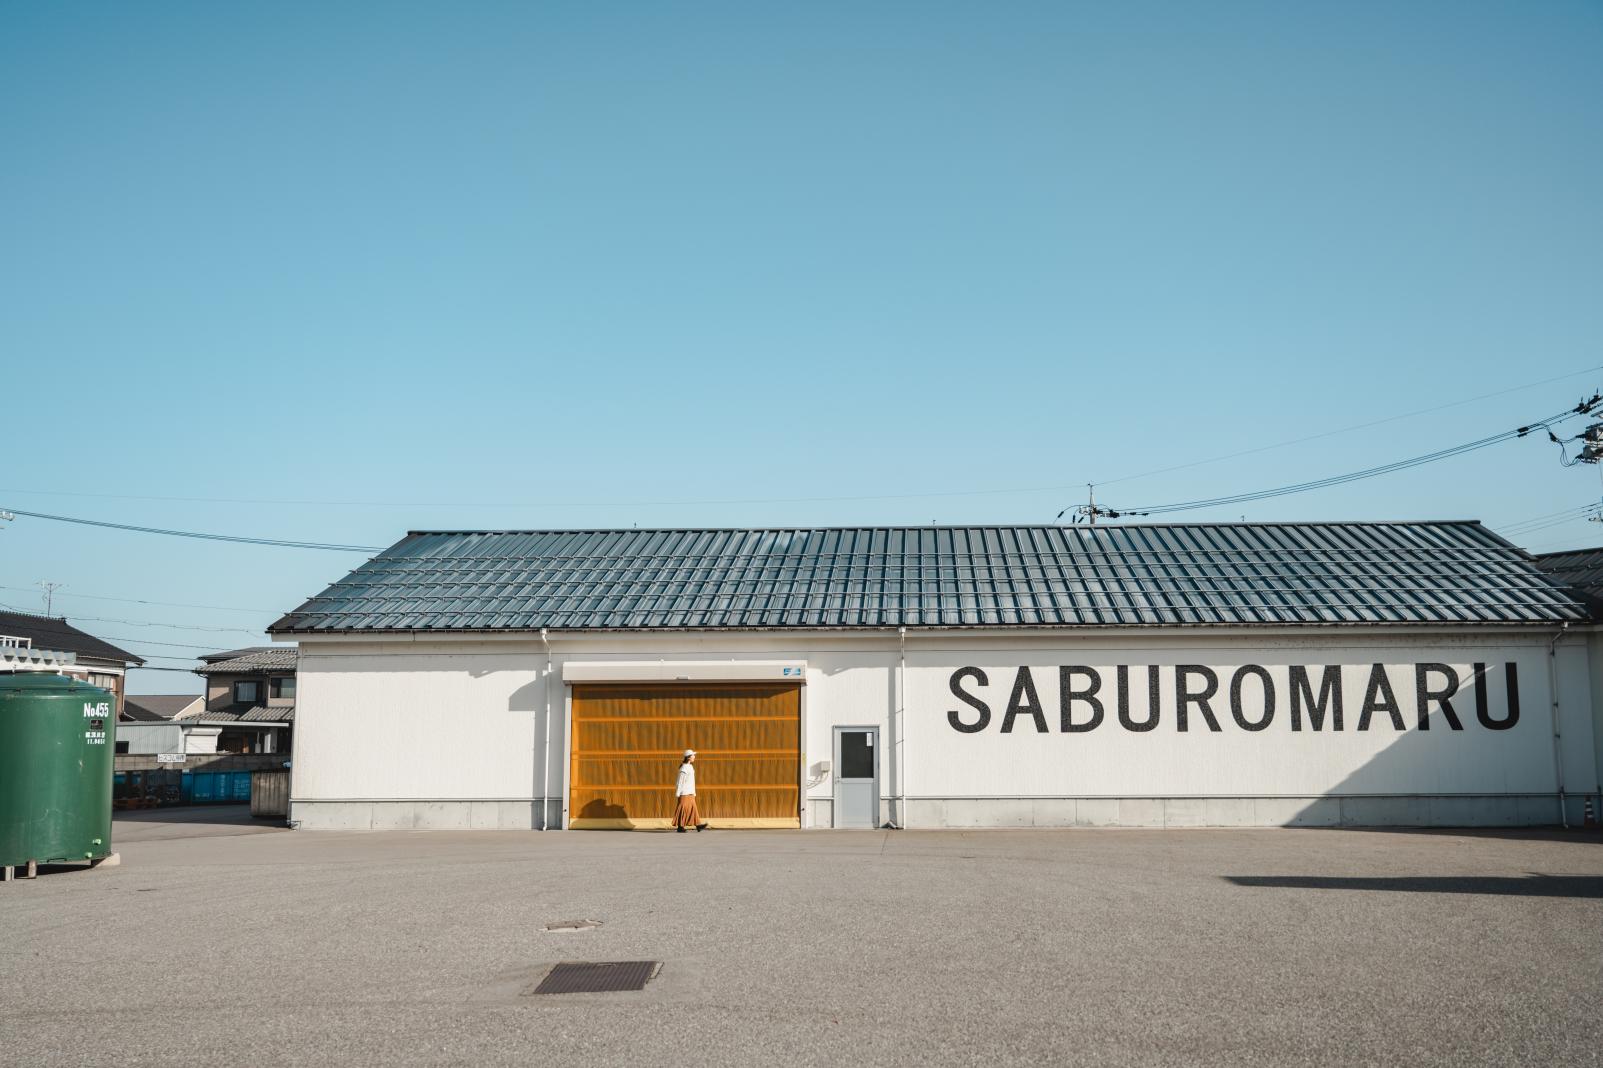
{"points": [[57, 737]]}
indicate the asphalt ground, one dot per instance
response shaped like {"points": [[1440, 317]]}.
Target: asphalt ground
{"points": [[212, 944]]}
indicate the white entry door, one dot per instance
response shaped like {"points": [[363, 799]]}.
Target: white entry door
{"points": [[857, 777]]}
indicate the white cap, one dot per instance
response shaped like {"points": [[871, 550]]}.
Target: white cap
{"points": [[690, 752]]}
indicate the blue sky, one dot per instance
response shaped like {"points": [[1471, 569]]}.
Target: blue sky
{"points": [[514, 265]]}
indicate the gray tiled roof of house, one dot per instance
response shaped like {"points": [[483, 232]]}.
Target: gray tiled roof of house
{"points": [[57, 635], [266, 659], [257, 714], [269, 714], [220, 716], [1580, 569], [922, 577], [230, 654], [156, 708]]}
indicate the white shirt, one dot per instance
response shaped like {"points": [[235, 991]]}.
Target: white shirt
{"points": [[687, 780]]}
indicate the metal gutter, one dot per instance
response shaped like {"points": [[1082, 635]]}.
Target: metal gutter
{"points": [[901, 725], [545, 767], [1558, 757]]}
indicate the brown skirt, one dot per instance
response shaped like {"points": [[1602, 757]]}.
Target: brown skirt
{"points": [[686, 815]]}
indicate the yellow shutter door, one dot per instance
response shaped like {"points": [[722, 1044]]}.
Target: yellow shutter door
{"points": [[628, 740]]}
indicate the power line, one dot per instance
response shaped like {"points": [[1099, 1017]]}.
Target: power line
{"points": [[728, 501], [1533, 528], [136, 600], [1348, 429], [1547, 546], [1539, 522], [1582, 408], [1544, 515], [140, 623], [148, 641], [279, 542], [147, 623]]}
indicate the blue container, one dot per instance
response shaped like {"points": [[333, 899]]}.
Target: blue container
{"points": [[203, 788], [239, 786]]}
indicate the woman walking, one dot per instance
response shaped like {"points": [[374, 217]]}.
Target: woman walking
{"points": [[685, 814]]}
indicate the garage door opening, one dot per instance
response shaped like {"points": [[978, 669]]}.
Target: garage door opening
{"points": [[628, 739]]}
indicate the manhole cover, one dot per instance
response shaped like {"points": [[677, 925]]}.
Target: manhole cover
{"points": [[572, 925], [598, 978]]}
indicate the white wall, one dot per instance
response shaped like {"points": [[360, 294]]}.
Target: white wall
{"points": [[429, 725], [146, 739], [417, 733]]}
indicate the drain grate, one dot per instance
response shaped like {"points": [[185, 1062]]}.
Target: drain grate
{"points": [[601, 977]]}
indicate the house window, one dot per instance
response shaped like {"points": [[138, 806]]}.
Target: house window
{"points": [[122, 747], [282, 687], [247, 692]]}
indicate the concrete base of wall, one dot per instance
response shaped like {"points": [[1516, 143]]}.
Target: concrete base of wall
{"points": [[422, 815], [202, 762], [1481, 810], [1489, 810]]}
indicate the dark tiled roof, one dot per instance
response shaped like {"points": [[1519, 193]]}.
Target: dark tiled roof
{"points": [[150, 708], [269, 714], [230, 654], [49, 632], [266, 659], [1581, 570], [1161, 574], [258, 714]]}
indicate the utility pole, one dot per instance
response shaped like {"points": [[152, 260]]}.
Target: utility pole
{"points": [[50, 594], [1089, 510]]}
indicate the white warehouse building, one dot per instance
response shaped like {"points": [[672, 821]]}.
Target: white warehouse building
{"points": [[1334, 674]]}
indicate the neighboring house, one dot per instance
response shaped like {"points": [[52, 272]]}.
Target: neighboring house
{"points": [[47, 643], [202, 750], [250, 695], [154, 724]]}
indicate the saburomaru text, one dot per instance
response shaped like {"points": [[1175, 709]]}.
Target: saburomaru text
{"points": [[1199, 699]]}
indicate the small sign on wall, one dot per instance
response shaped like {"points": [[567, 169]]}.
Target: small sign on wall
{"points": [[171, 758]]}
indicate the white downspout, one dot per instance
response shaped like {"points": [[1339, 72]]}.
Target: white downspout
{"points": [[901, 718], [1552, 690], [545, 767]]}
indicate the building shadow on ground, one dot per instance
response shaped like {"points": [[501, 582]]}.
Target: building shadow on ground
{"points": [[1533, 885], [238, 812]]}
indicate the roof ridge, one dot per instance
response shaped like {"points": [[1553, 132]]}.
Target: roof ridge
{"points": [[962, 526]]}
